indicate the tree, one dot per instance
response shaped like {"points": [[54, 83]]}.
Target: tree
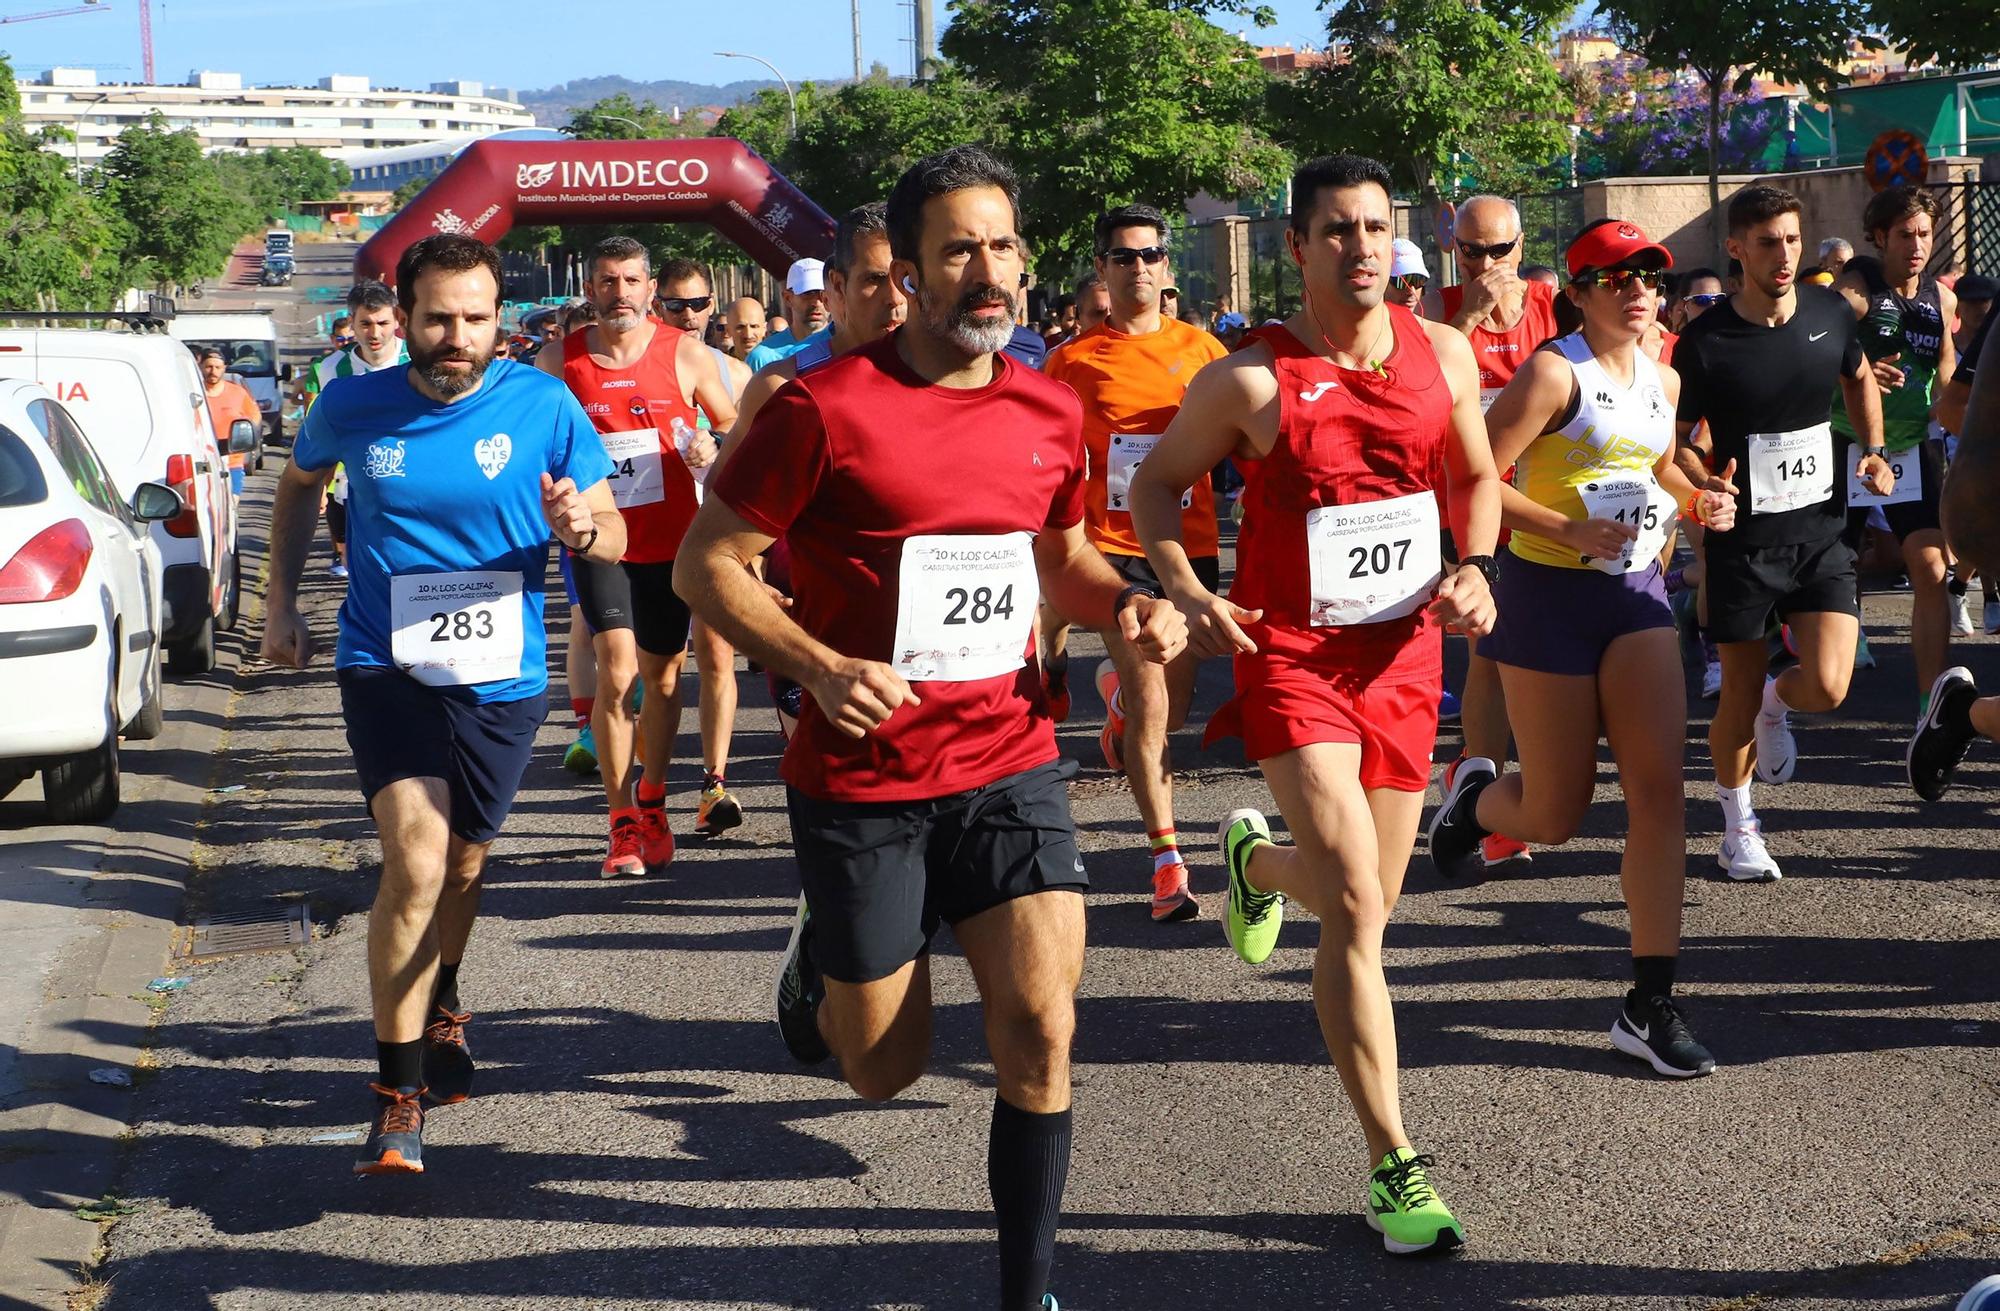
{"points": [[1956, 35], [176, 220], [1728, 42], [1635, 125], [56, 247], [1443, 91], [1105, 102]]}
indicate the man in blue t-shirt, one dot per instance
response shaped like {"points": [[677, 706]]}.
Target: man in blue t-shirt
{"points": [[459, 469]]}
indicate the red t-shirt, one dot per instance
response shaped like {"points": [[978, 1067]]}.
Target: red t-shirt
{"points": [[849, 461], [646, 396], [1501, 354]]}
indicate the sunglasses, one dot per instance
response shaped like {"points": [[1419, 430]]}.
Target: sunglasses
{"points": [[682, 304], [1123, 256], [1708, 299], [1620, 279], [1409, 281], [1498, 250]]}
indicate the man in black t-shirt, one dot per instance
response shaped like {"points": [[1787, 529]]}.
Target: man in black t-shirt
{"points": [[1761, 369]]}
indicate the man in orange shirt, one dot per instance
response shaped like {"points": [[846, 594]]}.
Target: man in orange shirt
{"points": [[227, 402], [1130, 371]]}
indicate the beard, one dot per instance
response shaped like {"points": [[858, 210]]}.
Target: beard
{"points": [[430, 366], [958, 325]]}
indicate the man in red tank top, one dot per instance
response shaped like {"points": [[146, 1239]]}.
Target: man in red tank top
{"points": [[639, 381], [1347, 421], [1505, 317]]}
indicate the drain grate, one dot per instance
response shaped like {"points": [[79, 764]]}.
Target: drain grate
{"points": [[243, 932]]}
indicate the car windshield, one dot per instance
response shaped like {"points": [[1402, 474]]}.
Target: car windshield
{"points": [[21, 481], [250, 358]]}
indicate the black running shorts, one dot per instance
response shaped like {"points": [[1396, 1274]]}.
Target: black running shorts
{"points": [[640, 597], [1746, 587], [1137, 570], [880, 876], [399, 728]]}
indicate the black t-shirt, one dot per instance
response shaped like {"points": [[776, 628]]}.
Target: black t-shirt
{"points": [[1746, 378], [1970, 360]]}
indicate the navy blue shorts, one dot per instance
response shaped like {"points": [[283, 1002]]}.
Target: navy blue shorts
{"points": [[1560, 621], [400, 728]]}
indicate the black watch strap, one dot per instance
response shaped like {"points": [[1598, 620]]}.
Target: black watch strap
{"points": [[583, 548], [1130, 592], [1485, 564]]}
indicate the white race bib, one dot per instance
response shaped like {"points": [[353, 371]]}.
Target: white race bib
{"points": [[965, 607], [1908, 466], [1375, 561], [452, 629], [636, 476], [1790, 470], [1128, 449], [1488, 395], [1638, 501]]}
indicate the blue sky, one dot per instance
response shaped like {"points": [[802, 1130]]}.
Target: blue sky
{"points": [[512, 43]]}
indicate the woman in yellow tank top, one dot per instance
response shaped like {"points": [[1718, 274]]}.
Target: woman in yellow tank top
{"points": [[1585, 641]]}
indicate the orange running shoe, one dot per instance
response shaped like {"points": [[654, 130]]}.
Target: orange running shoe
{"points": [[656, 840], [1112, 740], [1499, 849], [624, 862], [1172, 902]]}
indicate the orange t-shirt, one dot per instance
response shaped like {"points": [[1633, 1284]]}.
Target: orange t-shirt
{"points": [[1131, 389], [225, 407]]}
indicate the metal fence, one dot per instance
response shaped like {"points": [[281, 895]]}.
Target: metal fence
{"points": [[1968, 234]]}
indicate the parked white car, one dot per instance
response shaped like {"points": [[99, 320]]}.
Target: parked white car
{"points": [[80, 608], [139, 397]]}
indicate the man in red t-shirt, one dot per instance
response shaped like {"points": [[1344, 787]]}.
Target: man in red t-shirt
{"points": [[639, 381], [929, 489], [1348, 421]]}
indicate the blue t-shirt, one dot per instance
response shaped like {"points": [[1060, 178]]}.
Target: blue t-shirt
{"points": [[782, 347], [450, 490]]}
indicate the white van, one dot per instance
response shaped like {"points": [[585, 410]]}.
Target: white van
{"points": [[139, 399], [248, 340]]}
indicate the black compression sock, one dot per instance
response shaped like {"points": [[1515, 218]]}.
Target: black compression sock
{"points": [[1653, 976], [1027, 1163], [400, 1064], [446, 992]]}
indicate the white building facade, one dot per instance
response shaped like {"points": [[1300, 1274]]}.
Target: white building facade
{"points": [[341, 117]]}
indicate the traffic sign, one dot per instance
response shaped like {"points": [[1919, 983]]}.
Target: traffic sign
{"points": [[1447, 226], [1896, 159]]}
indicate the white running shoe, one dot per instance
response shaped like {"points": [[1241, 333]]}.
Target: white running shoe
{"points": [[1993, 618], [1777, 752], [1711, 681], [1743, 856], [1961, 618]]}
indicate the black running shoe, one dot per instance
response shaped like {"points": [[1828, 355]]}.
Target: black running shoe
{"points": [[1654, 1032], [1943, 735], [447, 1057], [798, 995], [1454, 834], [396, 1138]]}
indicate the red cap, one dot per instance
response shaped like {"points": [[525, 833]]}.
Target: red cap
{"points": [[1609, 245]]}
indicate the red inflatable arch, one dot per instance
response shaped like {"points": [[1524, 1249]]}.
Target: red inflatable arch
{"points": [[494, 185]]}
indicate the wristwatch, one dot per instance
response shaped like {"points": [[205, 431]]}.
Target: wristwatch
{"points": [[1485, 564], [1130, 592], [1881, 451]]}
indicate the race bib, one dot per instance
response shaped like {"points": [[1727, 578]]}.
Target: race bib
{"points": [[1372, 562], [1127, 450], [1908, 466], [1488, 395], [1790, 470], [1638, 501], [636, 477], [965, 608], [449, 630]]}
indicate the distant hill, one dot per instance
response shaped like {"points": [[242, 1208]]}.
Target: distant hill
{"points": [[552, 106]]}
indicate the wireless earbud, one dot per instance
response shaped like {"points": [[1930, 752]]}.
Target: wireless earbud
{"points": [[909, 287]]}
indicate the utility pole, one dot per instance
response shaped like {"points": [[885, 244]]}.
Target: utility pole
{"points": [[854, 16], [925, 34]]}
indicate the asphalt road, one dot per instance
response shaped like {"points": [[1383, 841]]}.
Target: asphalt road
{"points": [[640, 1139]]}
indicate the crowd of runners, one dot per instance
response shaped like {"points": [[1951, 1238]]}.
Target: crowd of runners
{"points": [[897, 508]]}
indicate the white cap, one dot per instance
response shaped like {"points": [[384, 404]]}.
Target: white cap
{"points": [[805, 275], [1409, 259]]}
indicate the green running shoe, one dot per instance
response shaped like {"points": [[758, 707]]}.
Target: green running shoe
{"points": [[1404, 1208], [1254, 917], [581, 758]]}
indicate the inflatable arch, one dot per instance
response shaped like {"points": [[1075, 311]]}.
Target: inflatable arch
{"points": [[493, 185]]}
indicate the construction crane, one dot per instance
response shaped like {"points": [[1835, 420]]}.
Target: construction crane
{"points": [[88, 7]]}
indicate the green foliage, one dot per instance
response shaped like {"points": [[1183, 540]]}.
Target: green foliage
{"points": [[56, 244], [406, 193], [1105, 102], [1955, 35], [612, 119], [1448, 93], [177, 219]]}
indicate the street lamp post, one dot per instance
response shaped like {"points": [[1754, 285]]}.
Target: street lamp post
{"points": [[638, 127], [790, 99]]}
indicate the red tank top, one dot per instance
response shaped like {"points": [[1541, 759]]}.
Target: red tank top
{"points": [[1501, 354], [656, 490], [1345, 437]]}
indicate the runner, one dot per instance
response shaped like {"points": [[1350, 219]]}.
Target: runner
{"points": [[1760, 370], [1130, 372], [1408, 277], [745, 322], [805, 314], [1700, 291], [1585, 641], [1093, 303], [924, 782], [441, 664], [639, 381], [687, 301], [377, 343], [1905, 316], [1505, 317], [1347, 421], [228, 401]]}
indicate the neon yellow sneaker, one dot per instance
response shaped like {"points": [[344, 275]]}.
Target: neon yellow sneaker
{"points": [[1404, 1208], [1254, 917]]}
